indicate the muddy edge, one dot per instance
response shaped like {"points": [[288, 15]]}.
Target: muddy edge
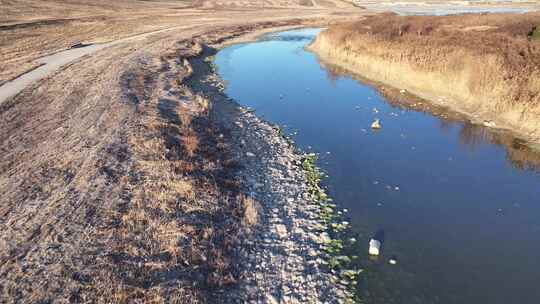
{"points": [[281, 259]]}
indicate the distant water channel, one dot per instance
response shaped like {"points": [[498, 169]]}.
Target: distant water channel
{"points": [[459, 204]]}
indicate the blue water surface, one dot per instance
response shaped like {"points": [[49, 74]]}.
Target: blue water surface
{"points": [[459, 206]]}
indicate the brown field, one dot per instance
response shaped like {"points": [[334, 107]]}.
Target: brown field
{"points": [[487, 66], [30, 29], [521, 154], [117, 185]]}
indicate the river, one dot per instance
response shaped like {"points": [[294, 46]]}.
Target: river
{"points": [[459, 204]]}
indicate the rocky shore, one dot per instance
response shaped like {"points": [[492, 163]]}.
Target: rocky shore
{"points": [[282, 259]]}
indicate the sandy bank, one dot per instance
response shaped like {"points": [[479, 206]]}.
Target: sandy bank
{"points": [[486, 66]]}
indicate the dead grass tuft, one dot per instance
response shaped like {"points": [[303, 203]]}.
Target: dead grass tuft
{"points": [[251, 210], [191, 143]]}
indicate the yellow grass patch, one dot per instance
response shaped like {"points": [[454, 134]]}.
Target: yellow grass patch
{"points": [[491, 73]]}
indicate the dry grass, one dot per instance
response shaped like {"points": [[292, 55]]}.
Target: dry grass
{"points": [[488, 65], [118, 192], [251, 208], [272, 3], [30, 29], [117, 186], [125, 190], [21, 11]]}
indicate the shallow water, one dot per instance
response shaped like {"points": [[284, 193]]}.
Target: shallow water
{"points": [[459, 204]]}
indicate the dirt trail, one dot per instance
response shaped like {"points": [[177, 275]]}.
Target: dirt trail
{"points": [[49, 64], [119, 186]]}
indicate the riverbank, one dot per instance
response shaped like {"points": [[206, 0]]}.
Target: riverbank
{"points": [[149, 185], [484, 66], [282, 258]]}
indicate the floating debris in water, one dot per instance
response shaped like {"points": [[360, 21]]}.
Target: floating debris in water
{"points": [[379, 204], [396, 188], [375, 182], [374, 247], [376, 124], [392, 261], [375, 110]]}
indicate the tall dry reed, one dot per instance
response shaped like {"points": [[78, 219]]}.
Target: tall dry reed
{"points": [[487, 66]]}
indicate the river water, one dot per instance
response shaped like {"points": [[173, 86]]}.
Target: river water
{"points": [[459, 204]]}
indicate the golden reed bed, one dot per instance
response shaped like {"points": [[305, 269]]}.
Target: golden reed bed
{"points": [[486, 65]]}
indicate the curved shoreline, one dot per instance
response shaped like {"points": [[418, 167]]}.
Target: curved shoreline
{"points": [[284, 260]]}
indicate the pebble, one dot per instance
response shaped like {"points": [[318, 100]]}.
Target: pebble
{"points": [[285, 249], [281, 231], [270, 299]]}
